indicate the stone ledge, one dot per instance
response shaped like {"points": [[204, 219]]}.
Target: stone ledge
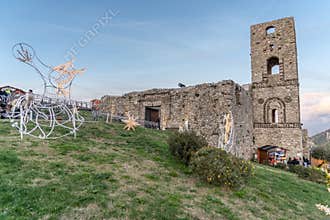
{"points": [[290, 82], [278, 125]]}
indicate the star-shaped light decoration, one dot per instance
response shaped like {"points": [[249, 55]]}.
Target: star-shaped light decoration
{"points": [[130, 123]]}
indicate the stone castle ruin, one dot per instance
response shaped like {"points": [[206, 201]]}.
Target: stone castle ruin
{"points": [[265, 112]]}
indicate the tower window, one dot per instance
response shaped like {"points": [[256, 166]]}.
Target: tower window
{"points": [[274, 111], [276, 69], [273, 66], [270, 30], [274, 116]]}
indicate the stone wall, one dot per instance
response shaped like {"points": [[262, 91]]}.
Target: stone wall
{"points": [[275, 95], [307, 143], [280, 43], [199, 106]]}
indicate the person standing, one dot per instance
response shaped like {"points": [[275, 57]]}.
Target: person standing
{"points": [[28, 98]]}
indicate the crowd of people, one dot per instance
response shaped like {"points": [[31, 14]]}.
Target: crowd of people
{"points": [[273, 161], [4, 98], [8, 95], [298, 161]]}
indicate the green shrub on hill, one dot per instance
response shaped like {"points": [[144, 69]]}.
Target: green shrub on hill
{"points": [[322, 153], [183, 144], [307, 173], [216, 166], [281, 166]]}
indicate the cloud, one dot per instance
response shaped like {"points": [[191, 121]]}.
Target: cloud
{"points": [[315, 104], [315, 108]]}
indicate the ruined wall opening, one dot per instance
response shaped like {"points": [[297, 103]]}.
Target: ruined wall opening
{"points": [[270, 30], [273, 66], [152, 116]]}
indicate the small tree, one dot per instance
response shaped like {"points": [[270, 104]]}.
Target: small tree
{"points": [[322, 153], [218, 167], [184, 144]]}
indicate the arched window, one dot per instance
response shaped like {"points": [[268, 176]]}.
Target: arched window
{"points": [[274, 116], [270, 30], [273, 65], [274, 111]]}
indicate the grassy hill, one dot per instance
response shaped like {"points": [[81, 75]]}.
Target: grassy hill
{"points": [[109, 173]]}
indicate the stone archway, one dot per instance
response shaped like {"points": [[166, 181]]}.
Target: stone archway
{"points": [[274, 111]]}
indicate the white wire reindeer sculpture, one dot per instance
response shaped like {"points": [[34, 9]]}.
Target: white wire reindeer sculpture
{"points": [[46, 116]]}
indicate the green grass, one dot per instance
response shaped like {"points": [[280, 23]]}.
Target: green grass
{"points": [[109, 173]]}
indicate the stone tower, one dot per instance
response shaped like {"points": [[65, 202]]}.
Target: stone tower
{"points": [[275, 86]]}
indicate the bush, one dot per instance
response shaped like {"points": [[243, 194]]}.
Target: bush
{"points": [[311, 174], [216, 166], [281, 166], [183, 144], [322, 153]]}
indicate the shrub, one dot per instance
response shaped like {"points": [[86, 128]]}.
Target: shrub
{"points": [[216, 166], [311, 174], [281, 166], [322, 153], [183, 144]]}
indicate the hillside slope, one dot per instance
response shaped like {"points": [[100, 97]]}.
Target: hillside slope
{"points": [[322, 138], [109, 173]]}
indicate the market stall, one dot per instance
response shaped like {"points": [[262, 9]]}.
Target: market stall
{"points": [[271, 155]]}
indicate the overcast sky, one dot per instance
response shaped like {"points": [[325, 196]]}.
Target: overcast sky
{"points": [[137, 45]]}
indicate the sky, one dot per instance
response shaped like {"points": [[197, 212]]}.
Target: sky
{"points": [[136, 45]]}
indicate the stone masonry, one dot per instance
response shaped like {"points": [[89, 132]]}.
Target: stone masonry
{"points": [[265, 112], [275, 86], [198, 106]]}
